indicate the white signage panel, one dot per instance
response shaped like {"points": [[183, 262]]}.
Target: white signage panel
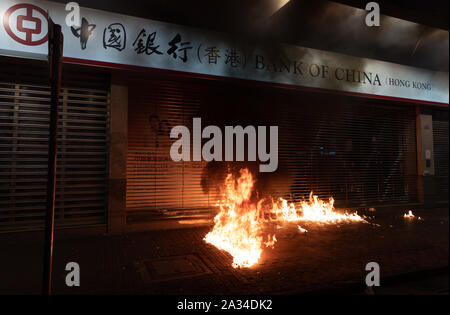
{"points": [[106, 38]]}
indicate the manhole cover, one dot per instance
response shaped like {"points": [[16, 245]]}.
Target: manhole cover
{"points": [[171, 268]]}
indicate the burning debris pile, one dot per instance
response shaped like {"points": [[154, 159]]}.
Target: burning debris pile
{"points": [[240, 225]]}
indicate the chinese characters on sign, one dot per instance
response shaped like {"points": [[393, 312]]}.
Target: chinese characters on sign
{"points": [[83, 32], [174, 48], [146, 43], [213, 54], [233, 58], [114, 36]]}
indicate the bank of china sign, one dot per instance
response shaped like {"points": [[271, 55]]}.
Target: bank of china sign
{"points": [[105, 38]]}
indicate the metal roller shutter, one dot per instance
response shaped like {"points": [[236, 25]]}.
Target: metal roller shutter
{"points": [[440, 143], [82, 155], [359, 151], [156, 186]]}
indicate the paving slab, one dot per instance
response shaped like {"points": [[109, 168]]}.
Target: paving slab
{"points": [[326, 258]]}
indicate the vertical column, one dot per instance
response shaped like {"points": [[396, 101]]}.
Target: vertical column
{"points": [[63, 160], [420, 196], [425, 155], [118, 140], [14, 158]]}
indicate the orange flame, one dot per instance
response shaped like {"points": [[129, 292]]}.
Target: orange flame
{"points": [[237, 228], [239, 225], [411, 216]]}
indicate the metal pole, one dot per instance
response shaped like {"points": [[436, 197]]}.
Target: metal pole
{"points": [[55, 46]]}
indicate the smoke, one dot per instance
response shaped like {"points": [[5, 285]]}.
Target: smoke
{"points": [[277, 184], [341, 28], [245, 105]]}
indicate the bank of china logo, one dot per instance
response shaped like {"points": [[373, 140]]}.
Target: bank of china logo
{"points": [[26, 24]]}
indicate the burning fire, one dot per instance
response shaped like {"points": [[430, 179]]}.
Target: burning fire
{"points": [[410, 215], [313, 210], [239, 227]]}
